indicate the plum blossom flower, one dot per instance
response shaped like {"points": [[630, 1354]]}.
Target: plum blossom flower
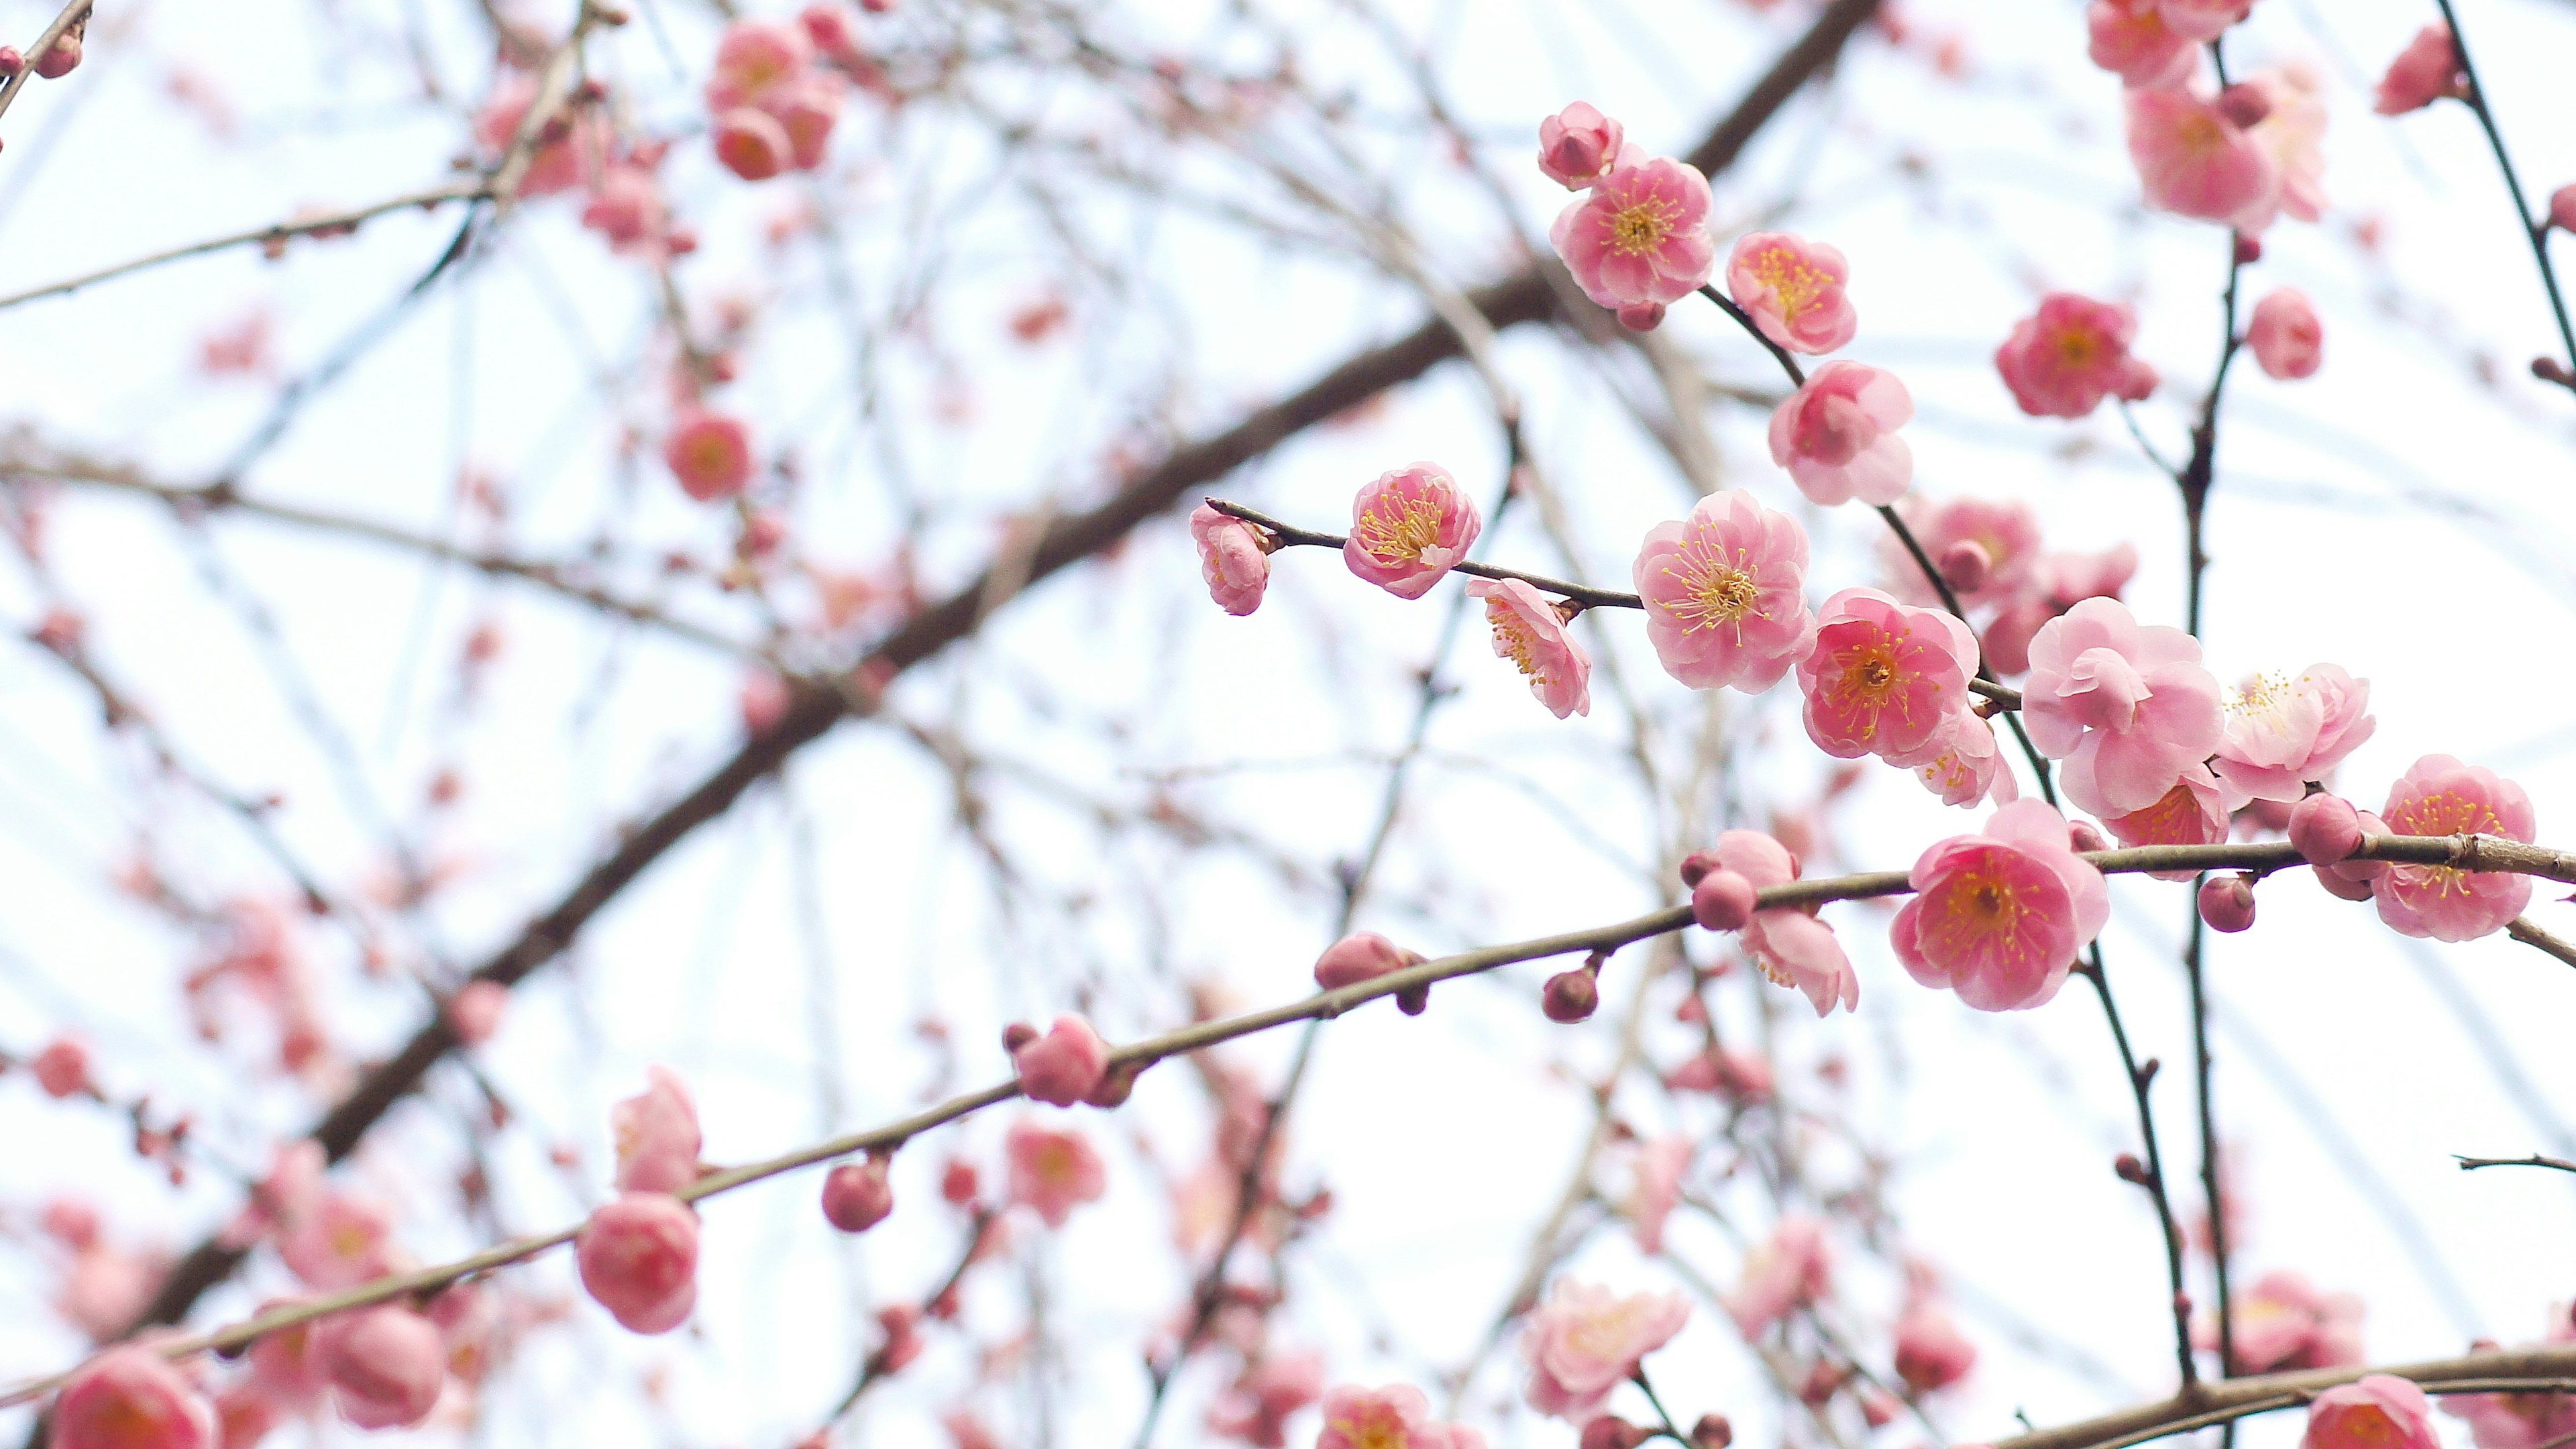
{"points": [[1931, 1352], [1234, 559], [1660, 1166], [657, 1135], [1725, 594], [752, 144], [1397, 1416], [2519, 1421], [2062, 360], [1998, 917], [385, 1365], [62, 1068], [1586, 1340], [1053, 1172], [1837, 435], [2284, 732], [1965, 763], [755, 61], [1884, 676], [2058, 583], [1641, 236], [639, 1259], [1792, 288], [2283, 1322], [2202, 20], [2287, 339], [2424, 72], [1410, 527], [2292, 134], [1787, 945], [1065, 1065], [2007, 533], [1793, 1269], [1530, 631], [2131, 39], [856, 1196], [2441, 796], [1256, 1407], [2194, 812], [2375, 1411], [344, 1240], [1578, 145], [1363, 956], [2127, 706], [709, 453], [131, 1398], [2195, 160]]}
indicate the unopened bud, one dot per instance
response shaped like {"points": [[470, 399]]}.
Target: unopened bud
{"points": [[1570, 996], [1017, 1035], [2227, 903], [1644, 317], [856, 1196], [2325, 829], [2550, 369], [2244, 104], [1712, 1432], [1723, 901], [12, 60], [1697, 864], [2083, 835], [2249, 249], [1967, 565], [2562, 208], [2130, 1168], [61, 60], [1414, 1000], [1116, 1085], [1612, 1432]]}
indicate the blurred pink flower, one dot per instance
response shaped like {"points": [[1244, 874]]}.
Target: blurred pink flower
{"points": [[709, 453], [2127, 706], [755, 61], [2287, 339], [2008, 533], [1255, 1408], [639, 1259], [1409, 528], [2202, 20], [2375, 1411], [2441, 796], [130, 1397], [1793, 1269], [1585, 1341], [1837, 435], [2131, 39], [343, 1241], [1793, 289], [1998, 917], [2062, 360], [1931, 1352], [1530, 633], [385, 1365], [2424, 72], [1725, 594], [1660, 1165], [657, 1135], [2194, 161], [1884, 677], [2283, 1322], [1641, 236], [1053, 1172], [1065, 1065]]}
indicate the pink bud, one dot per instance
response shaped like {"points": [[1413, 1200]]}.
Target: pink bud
{"points": [[2227, 902], [1063, 1066], [1697, 864], [2342, 886], [1362, 957], [902, 1338], [710, 454], [1612, 1432], [639, 1259], [1966, 565], [2562, 208], [2249, 249], [752, 144], [2287, 338], [1712, 1432], [1643, 317], [2325, 829], [62, 1069], [828, 26], [131, 1398], [1017, 1035], [1723, 900], [12, 60], [385, 1365], [2084, 835], [1115, 1086], [856, 1196], [1578, 145], [2245, 105], [1570, 996], [475, 1011], [62, 60], [957, 1184]]}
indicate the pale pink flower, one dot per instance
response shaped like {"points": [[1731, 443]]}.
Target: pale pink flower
{"points": [[1792, 948], [1641, 236], [1793, 289], [1837, 435], [2287, 339], [1966, 764], [245, 1417], [2282, 733], [2058, 583], [709, 453], [2062, 360], [1053, 1172], [343, 1241], [385, 1365], [2194, 812], [282, 1365], [1578, 145], [1725, 594], [763, 702], [1256, 1407], [553, 166], [755, 61], [72, 1222], [1794, 1269], [2292, 133], [2283, 1322], [1884, 677], [1234, 559], [1931, 1352], [2375, 1411], [752, 144], [2127, 706], [1410, 527], [1585, 1341], [2202, 20], [1065, 1065], [626, 208], [2007, 533], [1363, 956], [2194, 161], [1660, 1165], [2131, 39], [1394, 1417], [2441, 796], [131, 1398], [107, 1288], [292, 1188], [1530, 632], [639, 1260], [2424, 72], [2519, 1421], [657, 1135], [1998, 917]]}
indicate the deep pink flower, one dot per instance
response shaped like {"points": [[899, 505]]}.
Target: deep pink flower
{"points": [[1578, 145], [2375, 1411], [753, 144], [1234, 559], [639, 1259], [2282, 733], [2441, 796], [1837, 435], [1585, 1341], [709, 453], [1065, 1065], [1660, 1165], [1792, 1270], [755, 61], [657, 1135], [1410, 527], [1053, 1172], [2283, 1322], [1641, 236], [1256, 1407], [1530, 632], [1364, 956], [344, 1240], [2194, 812], [1725, 594], [2006, 532], [1794, 291], [2287, 339], [1965, 764], [2202, 20], [1931, 1352], [2127, 706], [2131, 39], [2195, 161], [385, 1365], [2062, 360], [1998, 917], [1884, 676], [131, 1398], [2424, 72]]}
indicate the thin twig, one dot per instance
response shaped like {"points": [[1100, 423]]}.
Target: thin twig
{"points": [[2534, 232]]}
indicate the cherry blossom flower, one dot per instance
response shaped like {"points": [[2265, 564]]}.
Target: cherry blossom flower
{"points": [[1409, 528], [1578, 145], [1363, 956], [1965, 763], [1837, 435], [1792, 288], [2424, 72], [1065, 1065], [131, 1398], [2062, 360], [1641, 236], [1585, 1341], [2127, 706], [1053, 1172], [1884, 676], [2194, 812], [343, 1241], [657, 1135], [2007, 533], [2131, 39], [1931, 1352], [1794, 1268], [1999, 917], [1234, 559], [2375, 1411], [2287, 339], [1660, 1166], [2196, 161], [710, 454], [1256, 1407], [1531, 633], [2441, 796], [1725, 594], [639, 1259], [2283, 732], [2283, 1322], [385, 1365]]}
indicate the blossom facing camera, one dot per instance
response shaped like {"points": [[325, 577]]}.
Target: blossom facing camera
{"points": [[1884, 676], [1409, 528], [1794, 290], [1585, 1341], [1641, 236], [1999, 917], [2063, 359], [710, 454], [2126, 705], [2441, 796], [1053, 1172], [131, 1398], [1725, 594], [2375, 1411]]}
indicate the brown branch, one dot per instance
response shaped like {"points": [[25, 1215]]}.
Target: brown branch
{"points": [[2522, 929], [2472, 1164], [2501, 1371]]}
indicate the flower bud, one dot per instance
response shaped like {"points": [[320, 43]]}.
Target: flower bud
{"points": [[856, 1196], [1570, 996], [957, 1182], [1609, 1431], [385, 1364], [12, 61], [1643, 317], [2562, 208], [2343, 886], [1723, 900], [2227, 903], [1116, 1085], [1017, 1035], [1712, 1432], [2325, 829], [2085, 835], [2244, 104], [1966, 565], [62, 60], [2130, 1168], [639, 1258]]}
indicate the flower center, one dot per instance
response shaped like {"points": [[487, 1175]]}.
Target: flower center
{"points": [[1518, 644], [1399, 529], [2076, 348], [2264, 694], [1642, 225], [1719, 592], [1381, 1430], [1796, 284]]}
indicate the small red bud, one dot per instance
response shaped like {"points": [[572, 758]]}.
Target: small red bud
{"points": [[1966, 565], [1570, 996], [1723, 901], [856, 1197]]}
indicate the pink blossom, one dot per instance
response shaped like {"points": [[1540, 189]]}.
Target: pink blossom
{"points": [[709, 453], [283, 1367], [131, 1398], [1837, 435], [2131, 39], [626, 208], [1053, 1172], [1394, 1417], [2562, 208], [2287, 339], [2058, 583], [1065, 1065], [2283, 1322], [1792, 948], [2325, 829], [2127, 706], [2375, 1411], [1998, 917], [1256, 1407], [2282, 733], [62, 1068], [72, 1222], [1530, 632], [1234, 559], [385, 1365], [1363, 956], [343, 1241], [639, 1260], [1659, 1189], [752, 144], [2424, 72], [2195, 161], [2226, 903], [2007, 533], [856, 1196], [807, 111], [1410, 527], [2519, 1421], [2194, 812], [2355, 880], [756, 60], [1792, 1270], [1578, 145], [2062, 360], [2441, 796], [1585, 1341], [1725, 594], [474, 1012], [292, 1188], [829, 27], [1793, 289], [2203, 20], [1884, 676], [107, 1288], [553, 166], [2292, 133], [245, 1417], [1641, 236], [657, 1135], [1965, 763], [1931, 1352]]}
